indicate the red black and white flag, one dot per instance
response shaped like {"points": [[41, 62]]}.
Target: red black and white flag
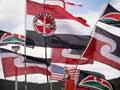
{"points": [[10, 38], [68, 56], [63, 30], [111, 16], [88, 80], [14, 64], [104, 45]]}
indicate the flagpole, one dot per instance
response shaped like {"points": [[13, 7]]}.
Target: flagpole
{"points": [[25, 67], [25, 87], [64, 77], [16, 79], [16, 48], [46, 50], [48, 83], [45, 40], [92, 33], [46, 56], [47, 65]]}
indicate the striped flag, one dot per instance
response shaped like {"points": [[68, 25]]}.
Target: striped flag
{"points": [[66, 29], [57, 72], [60, 73]]}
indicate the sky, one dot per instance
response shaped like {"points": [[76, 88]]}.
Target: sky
{"points": [[12, 19]]}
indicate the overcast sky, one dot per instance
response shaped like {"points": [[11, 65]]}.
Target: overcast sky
{"points": [[12, 19]]}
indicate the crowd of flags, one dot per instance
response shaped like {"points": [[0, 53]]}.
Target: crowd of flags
{"points": [[69, 41]]}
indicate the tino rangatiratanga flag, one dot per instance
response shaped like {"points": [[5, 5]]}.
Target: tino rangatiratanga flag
{"points": [[14, 64], [105, 44]]}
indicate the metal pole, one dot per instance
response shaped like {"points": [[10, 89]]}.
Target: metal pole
{"points": [[25, 87], [16, 80], [48, 83], [16, 48], [25, 67], [46, 49], [46, 57]]}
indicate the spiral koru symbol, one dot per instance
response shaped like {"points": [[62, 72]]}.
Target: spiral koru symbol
{"points": [[45, 24]]}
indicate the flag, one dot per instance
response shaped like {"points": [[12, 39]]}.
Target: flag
{"points": [[67, 30], [57, 72], [111, 16], [96, 83], [92, 81], [60, 73], [9, 38], [68, 56], [104, 45], [72, 3], [12, 61], [84, 73]]}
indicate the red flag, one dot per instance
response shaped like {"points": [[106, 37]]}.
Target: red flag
{"points": [[58, 12], [67, 56], [64, 29], [13, 62]]}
